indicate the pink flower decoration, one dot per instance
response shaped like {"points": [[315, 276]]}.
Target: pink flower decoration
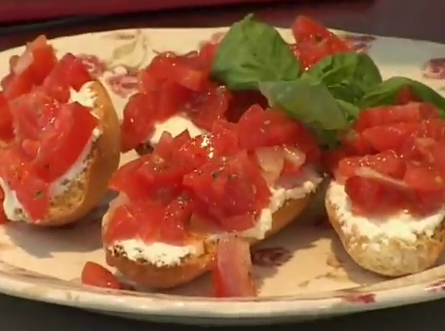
{"points": [[359, 297], [434, 68], [268, 257], [123, 84], [95, 66]]}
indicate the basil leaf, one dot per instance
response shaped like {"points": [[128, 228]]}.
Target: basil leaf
{"points": [[252, 52], [308, 100], [347, 75], [386, 93]]}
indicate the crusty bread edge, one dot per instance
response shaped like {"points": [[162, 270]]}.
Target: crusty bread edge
{"points": [[149, 275], [388, 256], [84, 192]]}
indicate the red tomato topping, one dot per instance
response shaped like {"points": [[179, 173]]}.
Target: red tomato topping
{"points": [[124, 223], [386, 163], [232, 269], [69, 72], [137, 122], [314, 41], [31, 191], [45, 136], [232, 188], [395, 160], [3, 218], [6, 131], [385, 115], [386, 137], [30, 68], [95, 275], [271, 127], [209, 105]]}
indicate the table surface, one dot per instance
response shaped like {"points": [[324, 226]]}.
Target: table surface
{"points": [[404, 18]]}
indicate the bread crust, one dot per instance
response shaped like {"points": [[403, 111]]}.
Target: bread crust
{"points": [[83, 193], [385, 255], [162, 277]]}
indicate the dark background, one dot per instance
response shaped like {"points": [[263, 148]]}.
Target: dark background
{"points": [[418, 19]]}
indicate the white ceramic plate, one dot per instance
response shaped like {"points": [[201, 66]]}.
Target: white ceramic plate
{"points": [[303, 272]]}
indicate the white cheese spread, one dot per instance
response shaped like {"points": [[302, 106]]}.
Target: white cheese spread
{"points": [[401, 225]]}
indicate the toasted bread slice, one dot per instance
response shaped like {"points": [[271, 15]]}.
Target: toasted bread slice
{"points": [[389, 247], [145, 273], [83, 192]]}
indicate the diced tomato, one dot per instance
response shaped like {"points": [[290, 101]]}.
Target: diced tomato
{"points": [[138, 121], [207, 106], [232, 269], [206, 54], [3, 218], [384, 115], [386, 163], [168, 144], [18, 85], [230, 186], [69, 72], [423, 202], [373, 196], [258, 127], [406, 95], [314, 41], [432, 128], [72, 130], [356, 144], [224, 138], [422, 177], [124, 223], [43, 57], [30, 68], [183, 70], [176, 217], [95, 275], [6, 131], [389, 137]]}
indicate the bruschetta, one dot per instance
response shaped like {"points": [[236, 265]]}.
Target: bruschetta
{"points": [[176, 93], [249, 179], [386, 202], [61, 140]]}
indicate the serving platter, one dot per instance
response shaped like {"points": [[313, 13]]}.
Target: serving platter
{"points": [[302, 272]]}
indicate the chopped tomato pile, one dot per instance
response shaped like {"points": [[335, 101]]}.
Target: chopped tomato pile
{"points": [[394, 159], [221, 177], [42, 133], [95, 275], [313, 42], [232, 269], [180, 84], [173, 84]]}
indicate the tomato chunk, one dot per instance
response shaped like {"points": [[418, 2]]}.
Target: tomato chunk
{"points": [[258, 127], [314, 41], [137, 122], [232, 188], [95, 275], [232, 269], [384, 115], [386, 163], [6, 130]]}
